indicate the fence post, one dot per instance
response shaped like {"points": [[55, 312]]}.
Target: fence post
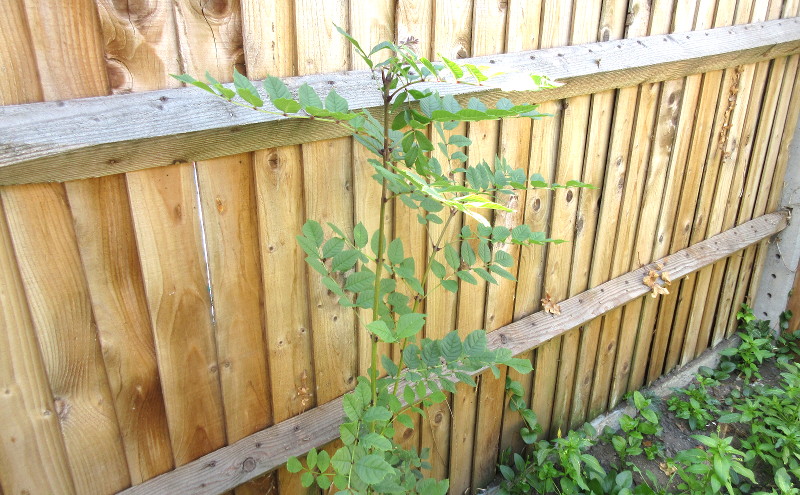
{"points": [[783, 253]]}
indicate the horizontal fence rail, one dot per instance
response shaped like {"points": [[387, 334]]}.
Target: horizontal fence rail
{"points": [[265, 450], [92, 137]]}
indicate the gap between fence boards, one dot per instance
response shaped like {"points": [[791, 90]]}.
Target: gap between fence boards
{"points": [[267, 449]]}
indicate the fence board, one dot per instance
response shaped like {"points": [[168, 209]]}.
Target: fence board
{"points": [[111, 141], [42, 231], [564, 218], [522, 33], [413, 20], [612, 25], [483, 305], [693, 174], [167, 224]]}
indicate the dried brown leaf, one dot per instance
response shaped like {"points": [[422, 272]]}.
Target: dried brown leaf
{"points": [[659, 290], [549, 305], [666, 277], [650, 279]]}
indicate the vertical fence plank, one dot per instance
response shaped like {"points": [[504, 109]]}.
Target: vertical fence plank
{"points": [[693, 176], [68, 54], [612, 22], [522, 33], [483, 306], [168, 234], [738, 205], [709, 210], [644, 192], [556, 26], [210, 39], [413, 21], [33, 456], [451, 35], [616, 196], [561, 282], [672, 136], [726, 199], [757, 156], [371, 23], [269, 46]]}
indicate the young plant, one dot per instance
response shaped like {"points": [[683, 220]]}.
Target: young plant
{"points": [[756, 344], [638, 432], [371, 271], [706, 471], [699, 408]]}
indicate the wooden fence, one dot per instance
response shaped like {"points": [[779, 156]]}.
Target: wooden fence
{"points": [[156, 315]]}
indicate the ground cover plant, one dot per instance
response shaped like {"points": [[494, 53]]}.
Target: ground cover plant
{"points": [[370, 271], [735, 429]]}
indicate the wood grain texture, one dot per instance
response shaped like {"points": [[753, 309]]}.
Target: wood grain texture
{"points": [[328, 198], [665, 178], [33, 457], [486, 306], [40, 140], [371, 22], [111, 263], [109, 254], [210, 39], [728, 308], [522, 33], [450, 32], [711, 204], [412, 20], [47, 253], [644, 185], [269, 48], [139, 42], [612, 25], [621, 191], [269, 448], [167, 225], [709, 85], [564, 220], [45, 240]]}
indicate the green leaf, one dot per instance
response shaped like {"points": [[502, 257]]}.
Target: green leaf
{"points": [[335, 103], [388, 364], [451, 256], [360, 281], [276, 89], [485, 275], [454, 68], [323, 460], [332, 286], [360, 235], [458, 140], [502, 272], [307, 479], [345, 260], [377, 413], [332, 247], [246, 89], [352, 405], [406, 420], [451, 346], [377, 246], [467, 254], [409, 325], [293, 465], [186, 78], [286, 105], [317, 265], [522, 366], [323, 482], [376, 441], [379, 328], [395, 252], [372, 469], [438, 269], [313, 230], [466, 277], [475, 343], [476, 73], [308, 245], [450, 285], [308, 97]]}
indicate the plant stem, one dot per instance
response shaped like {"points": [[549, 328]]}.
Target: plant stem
{"points": [[373, 368]]}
